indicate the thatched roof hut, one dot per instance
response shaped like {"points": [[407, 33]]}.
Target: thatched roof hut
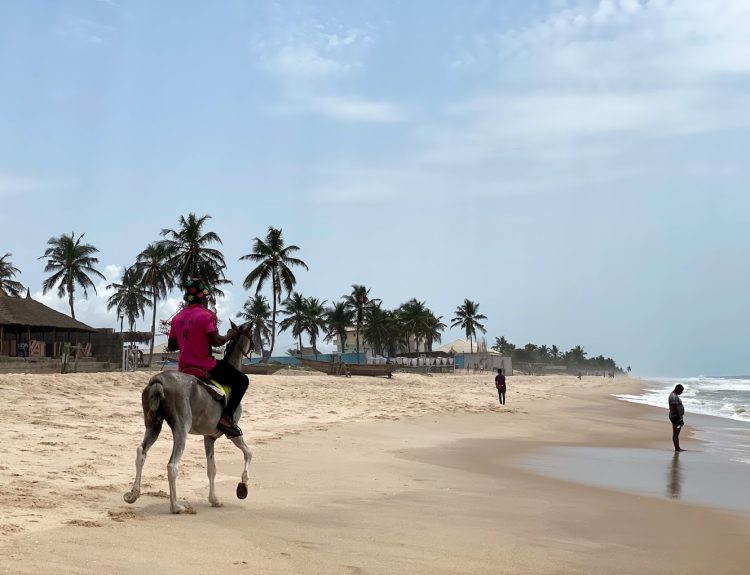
{"points": [[23, 312], [25, 319]]}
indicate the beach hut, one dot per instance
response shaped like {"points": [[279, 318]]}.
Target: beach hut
{"points": [[45, 330]]}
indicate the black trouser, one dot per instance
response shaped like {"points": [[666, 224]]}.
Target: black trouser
{"points": [[501, 395], [236, 380]]}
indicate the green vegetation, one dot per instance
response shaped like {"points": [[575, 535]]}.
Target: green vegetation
{"points": [[8, 285], [71, 263], [574, 359], [191, 250]]}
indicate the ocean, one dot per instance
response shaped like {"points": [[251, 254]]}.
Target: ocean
{"points": [[727, 397], [714, 471]]}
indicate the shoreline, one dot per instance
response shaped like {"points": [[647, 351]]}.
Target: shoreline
{"points": [[436, 493]]}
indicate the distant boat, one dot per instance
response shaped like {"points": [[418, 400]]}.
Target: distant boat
{"points": [[340, 368], [262, 368]]}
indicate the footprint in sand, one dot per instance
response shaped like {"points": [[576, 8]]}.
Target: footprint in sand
{"points": [[83, 523], [124, 515]]}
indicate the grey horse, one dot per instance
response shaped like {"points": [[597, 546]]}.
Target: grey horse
{"points": [[188, 407]]}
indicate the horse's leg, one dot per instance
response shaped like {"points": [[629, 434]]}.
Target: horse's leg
{"points": [[152, 433], [239, 441], [179, 433], [208, 443]]}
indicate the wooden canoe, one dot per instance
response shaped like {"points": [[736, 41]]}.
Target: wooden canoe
{"points": [[371, 370], [262, 368]]}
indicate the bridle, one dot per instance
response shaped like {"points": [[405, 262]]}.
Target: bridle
{"points": [[229, 349]]}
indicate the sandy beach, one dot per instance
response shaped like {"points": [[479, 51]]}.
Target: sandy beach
{"points": [[354, 475]]}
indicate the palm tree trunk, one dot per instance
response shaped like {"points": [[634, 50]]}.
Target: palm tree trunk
{"points": [[153, 330], [70, 299], [357, 342]]}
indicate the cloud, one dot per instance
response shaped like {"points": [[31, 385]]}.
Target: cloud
{"points": [[340, 107], [93, 311], [593, 76], [309, 59], [84, 31], [11, 184]]}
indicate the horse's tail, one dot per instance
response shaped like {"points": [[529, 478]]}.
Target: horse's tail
{"points": [[153, 396]]}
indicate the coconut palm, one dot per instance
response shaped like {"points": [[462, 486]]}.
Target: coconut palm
{"points": [[414, 316], [131, 297], [295, 309], [315, 321], [358, 300], [467, 317], [190, 255], [338, 319], [257, 313], [378, 327], [71, 263], [8, 285], [152, 266], [576, 355], [433, 330], [274, 261], [554, 352]]}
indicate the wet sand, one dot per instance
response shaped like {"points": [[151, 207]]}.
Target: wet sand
{"points": [[413, 475]]}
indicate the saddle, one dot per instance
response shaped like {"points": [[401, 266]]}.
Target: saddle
{"points": [[216, 389]]}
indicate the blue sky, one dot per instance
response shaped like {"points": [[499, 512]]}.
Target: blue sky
{"points": [[576, 167]]}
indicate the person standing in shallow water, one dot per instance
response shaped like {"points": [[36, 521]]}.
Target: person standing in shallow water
{"points": [[676, 411], [500, 385]]}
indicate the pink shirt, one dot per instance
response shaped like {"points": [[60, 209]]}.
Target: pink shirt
{"points": [[190, 328]]}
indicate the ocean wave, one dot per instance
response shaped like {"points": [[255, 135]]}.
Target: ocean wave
{"points": [[720, 397]]}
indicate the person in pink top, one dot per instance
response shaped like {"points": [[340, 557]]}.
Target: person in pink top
{"points": [[194, 331]]}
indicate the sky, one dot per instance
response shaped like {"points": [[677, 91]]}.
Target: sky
{"points": [[578, 168]]}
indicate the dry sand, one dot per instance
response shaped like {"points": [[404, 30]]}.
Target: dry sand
{"points": [[350, 475]]}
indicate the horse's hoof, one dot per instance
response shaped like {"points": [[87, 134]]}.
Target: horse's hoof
{"points": [[241, 490], [130, 497]]}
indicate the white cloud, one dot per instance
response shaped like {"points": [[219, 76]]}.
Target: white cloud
{"points": [[84, 31], [309, 59], [591, 72], [93, 311], [11, 184], [340, 107]]}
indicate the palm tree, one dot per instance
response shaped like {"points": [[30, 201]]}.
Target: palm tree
{"points": [[338, 319], [71, 263], [295, 308], [554, 352], [314, 320], [378, 327], [190, 255], [467, 317], [274, 264], [577, 355], [152, 267], [433, 330], [8, 285], [257, 312], [130, 297], [414, 317], [358, 300]]}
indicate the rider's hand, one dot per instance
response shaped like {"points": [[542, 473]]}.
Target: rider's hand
{"points": [[232, 334]]}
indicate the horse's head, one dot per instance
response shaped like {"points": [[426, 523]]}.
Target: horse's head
{"points": [[244, 337]]}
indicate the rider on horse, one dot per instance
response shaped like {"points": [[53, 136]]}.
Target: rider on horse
{"points": [[194, 331]]}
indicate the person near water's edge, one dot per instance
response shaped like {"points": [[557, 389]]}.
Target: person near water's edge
{"points": [[194, 331], [676, 412], [500, 385]]}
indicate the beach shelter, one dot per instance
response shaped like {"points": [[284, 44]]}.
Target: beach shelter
{"points": [[23, 319]]}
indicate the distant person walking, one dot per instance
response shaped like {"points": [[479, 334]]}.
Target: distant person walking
{"points": [[676, 411], [500, 385]]}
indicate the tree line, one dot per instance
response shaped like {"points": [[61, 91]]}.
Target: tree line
{"points": [[574, 358], [191, 250]]}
